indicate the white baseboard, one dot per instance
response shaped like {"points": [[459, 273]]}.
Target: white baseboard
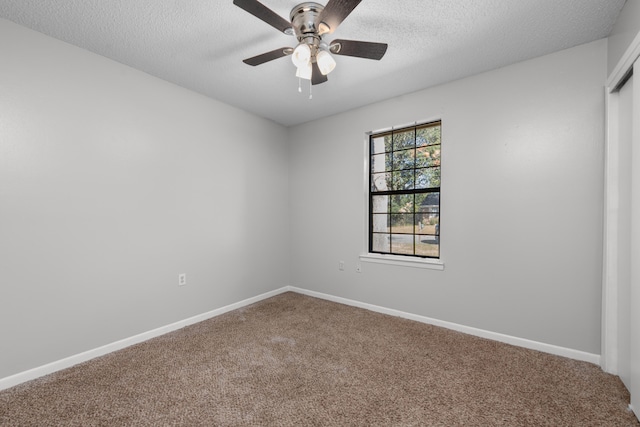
{"points": [[520, 342], [70, 361]]}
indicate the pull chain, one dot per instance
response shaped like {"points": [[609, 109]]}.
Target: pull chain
{"points": [[299, 85], [310, 90]]}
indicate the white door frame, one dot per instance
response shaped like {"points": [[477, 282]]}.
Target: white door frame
{"points": [[609, 337]]}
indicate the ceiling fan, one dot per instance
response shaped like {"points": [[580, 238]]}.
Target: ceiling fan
{"points": [[311, 21]]}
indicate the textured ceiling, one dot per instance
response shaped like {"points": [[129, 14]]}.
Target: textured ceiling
{"points": [[200, 44]]}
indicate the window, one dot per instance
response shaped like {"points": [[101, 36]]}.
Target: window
{"points": [[404, 191]]}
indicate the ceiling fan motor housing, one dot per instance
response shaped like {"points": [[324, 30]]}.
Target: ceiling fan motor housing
{"points": [[304, 21]]}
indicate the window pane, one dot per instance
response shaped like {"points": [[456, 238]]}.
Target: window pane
{"points": [[427, 177], [381, 223], [428, 156], [402, 244], [429, 135], [403, 180], [426, 223], [428, 202], [403, 140], [427, 246], [381, 162], [378, 145], [381, 182], [402, 223], [380, 204], [405, 159], [402, 203], [381, 243]]}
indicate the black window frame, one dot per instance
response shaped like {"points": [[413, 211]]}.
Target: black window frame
{"points": [[389, 172]]}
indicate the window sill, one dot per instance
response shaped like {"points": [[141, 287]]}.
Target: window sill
{"points": [[432, 264]]}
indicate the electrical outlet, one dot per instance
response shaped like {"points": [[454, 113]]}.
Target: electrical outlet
{"points": [[341, 265], [358, 268], [182, 279]]}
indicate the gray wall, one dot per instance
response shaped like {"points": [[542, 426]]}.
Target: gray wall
{"points": [[522, 201], [624, 31], [112, 183]]}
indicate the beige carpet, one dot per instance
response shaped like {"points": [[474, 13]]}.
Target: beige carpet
{"points": [[293, 360]]}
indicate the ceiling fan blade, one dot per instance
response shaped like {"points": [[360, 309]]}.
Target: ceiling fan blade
{"points": [[334, 13], [368, 50], [267, 15], [268, 56], [316, 76]]}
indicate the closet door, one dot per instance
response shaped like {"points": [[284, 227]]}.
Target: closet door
{"points": [[627, 224], [634, 300], [624, 220]]}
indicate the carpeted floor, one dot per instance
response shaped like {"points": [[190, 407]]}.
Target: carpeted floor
{"points": [[294, 360]]}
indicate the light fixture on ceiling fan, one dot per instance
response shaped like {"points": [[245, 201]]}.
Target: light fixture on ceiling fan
{"points": [[310, 21]]}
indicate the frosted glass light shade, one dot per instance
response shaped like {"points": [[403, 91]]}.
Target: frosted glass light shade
{"points": [[325, 61], [304, 71], [301, 55]]}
